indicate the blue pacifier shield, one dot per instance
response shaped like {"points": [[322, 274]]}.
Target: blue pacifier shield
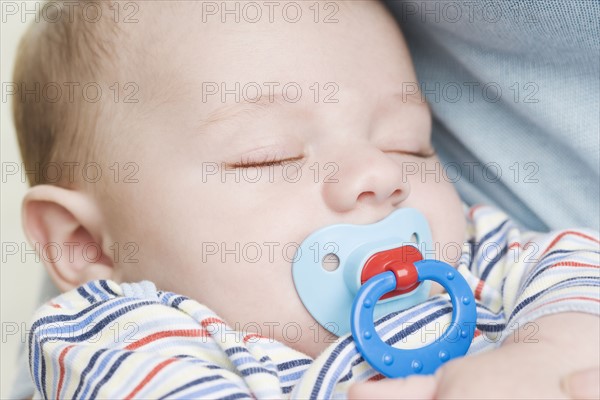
{"points": [[329, 294]]}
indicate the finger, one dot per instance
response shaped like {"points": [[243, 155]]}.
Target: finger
{"points": [[413, 387], [583, 385]]}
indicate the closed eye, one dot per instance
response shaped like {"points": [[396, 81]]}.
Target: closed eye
{"points": [[265, 163], [421, 154]]}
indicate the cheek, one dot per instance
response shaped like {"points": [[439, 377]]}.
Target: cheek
{"points": [[442, 206], [448, 226]]}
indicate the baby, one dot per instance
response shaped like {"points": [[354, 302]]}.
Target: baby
{"points": [[204, 141]]}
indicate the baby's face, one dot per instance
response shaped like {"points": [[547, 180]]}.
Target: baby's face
{"points": [[228, 188]]}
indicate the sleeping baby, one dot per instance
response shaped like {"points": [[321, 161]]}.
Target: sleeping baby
{"points": [[220, 140]]}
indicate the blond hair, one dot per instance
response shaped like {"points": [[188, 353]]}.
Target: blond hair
{"points": [[64, 50]]}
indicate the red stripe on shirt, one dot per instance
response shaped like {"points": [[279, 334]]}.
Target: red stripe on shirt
{"points": [[376, 378], [573, 264], [479, 289], [160, 335], [211, 320], [148, 377], [473, 209], [562, 234], [252, 335], [61, 365]]}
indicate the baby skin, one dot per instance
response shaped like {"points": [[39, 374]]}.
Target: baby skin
{"points": [[316, 133]]}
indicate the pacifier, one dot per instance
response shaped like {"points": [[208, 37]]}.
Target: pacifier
{"points": [[380, 270]]}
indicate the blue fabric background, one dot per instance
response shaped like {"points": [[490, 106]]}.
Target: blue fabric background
{"points": [[534, 106]]}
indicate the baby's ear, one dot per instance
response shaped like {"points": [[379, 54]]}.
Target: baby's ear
{"points": [[65, 228]]}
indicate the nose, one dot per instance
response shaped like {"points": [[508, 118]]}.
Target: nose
{"points": [[365, 175]]}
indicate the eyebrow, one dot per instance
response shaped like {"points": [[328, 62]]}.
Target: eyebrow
{"points": [[244, 107], [231, 111]]}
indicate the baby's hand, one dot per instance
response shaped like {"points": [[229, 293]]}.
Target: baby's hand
{"points": [[567, 343], [415, 387], [523, 371], [499, 374], [581, 385]]}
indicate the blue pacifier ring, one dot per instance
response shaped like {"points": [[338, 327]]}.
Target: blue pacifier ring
{"points": [[397, 363]]}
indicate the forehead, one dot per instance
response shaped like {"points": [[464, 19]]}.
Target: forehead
{"points": [[191, 72], [201, 43]]}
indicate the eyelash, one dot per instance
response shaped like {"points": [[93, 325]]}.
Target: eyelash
{"points": [[428, 155], [275, 162], [266, 163], [419, 155]]}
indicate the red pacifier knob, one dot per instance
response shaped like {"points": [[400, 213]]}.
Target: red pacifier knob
{"points": [[406, 276], [400, 261]]}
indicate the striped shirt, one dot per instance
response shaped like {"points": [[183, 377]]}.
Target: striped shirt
{"points": [[133, 341]]}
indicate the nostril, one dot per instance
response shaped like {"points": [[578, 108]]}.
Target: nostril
{"points": [[370, 197], [367, 197], [397, 197]]}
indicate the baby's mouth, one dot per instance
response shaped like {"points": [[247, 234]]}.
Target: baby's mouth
{"points": [[362, 252]]}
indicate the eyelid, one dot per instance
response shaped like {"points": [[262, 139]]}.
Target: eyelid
{"points": [[267, 162], [275, 151], [407, 145], [430, 152], [421, 154]]}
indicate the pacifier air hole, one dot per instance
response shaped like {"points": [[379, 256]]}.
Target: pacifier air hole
{"points": [[330, 262], [414, 238]]}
